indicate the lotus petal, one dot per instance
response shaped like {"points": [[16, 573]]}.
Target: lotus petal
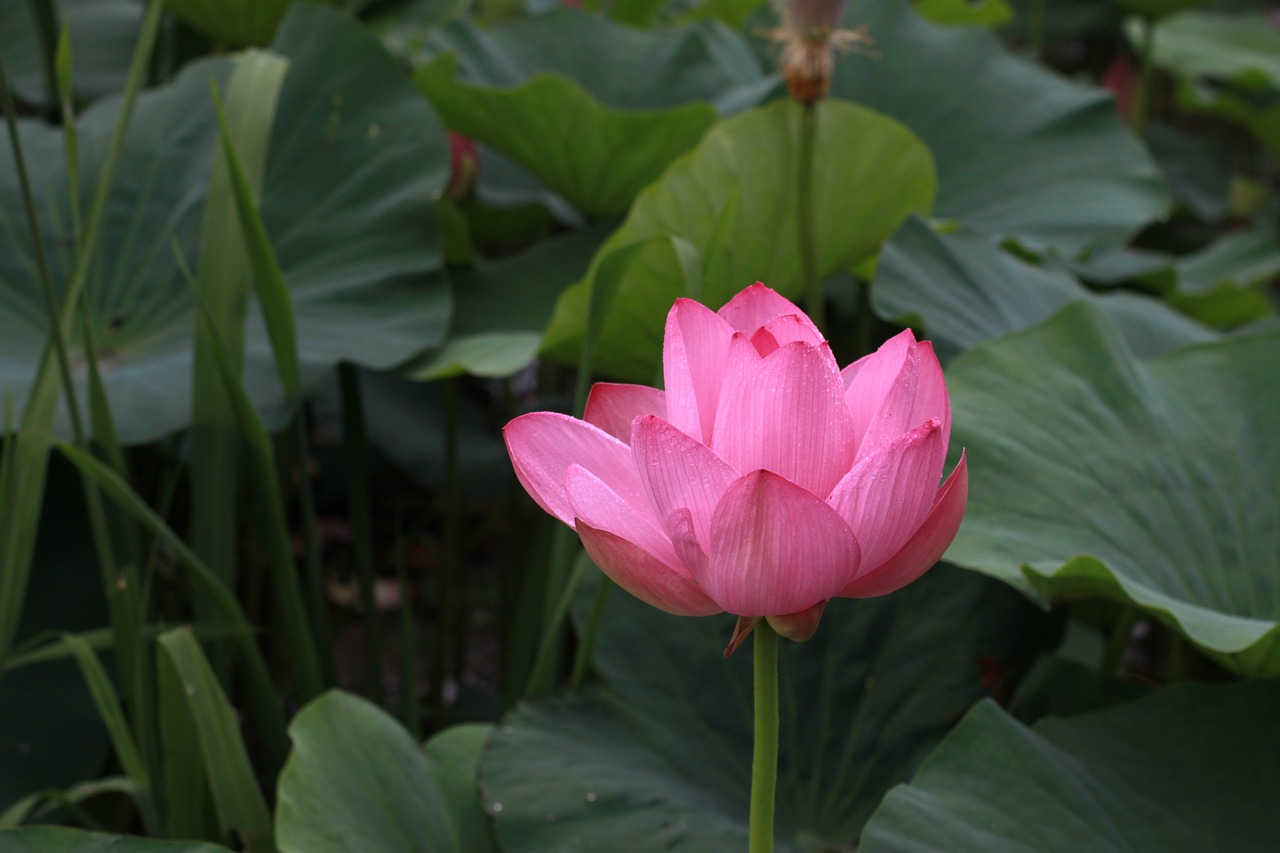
{"points": [[775, 549]]}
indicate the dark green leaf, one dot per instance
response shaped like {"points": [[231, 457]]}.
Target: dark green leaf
{"points": [[663, 761], [963, 288], [50, 839], [357, 781], [356, 157], [1190, 768], [595, 110], [1152, 481], [1020, 152]]}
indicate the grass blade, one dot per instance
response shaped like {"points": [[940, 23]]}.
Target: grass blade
{"points": [[223, 277], [266, 705], [271, 522], [108, 705], [241, 808], [22, 489]]}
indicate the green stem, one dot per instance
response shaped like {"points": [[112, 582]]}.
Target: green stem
{"points": [[1118, 642], [360, 513], [764, 763], [409, 711], [447, 602], [317, 601], [862, 321], [804, 217], [587, 644], [1142, 97], [1035, 27]]}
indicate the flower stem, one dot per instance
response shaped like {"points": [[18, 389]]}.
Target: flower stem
{"points": [[764, 764], [1142, 97], [804, 216]]}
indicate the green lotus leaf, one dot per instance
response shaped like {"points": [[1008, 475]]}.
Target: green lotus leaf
{"points": [[355, 158], [1151, 481], [733, 200], [962, 288], [1020, 152], [103, 33], [232, 22], [1188, 768], [661, 760], [356, 780], [594, 109], [502, 308], [985, 13], [1242, 47], [59, 839]]}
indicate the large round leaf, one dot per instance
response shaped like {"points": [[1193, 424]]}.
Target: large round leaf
{"points": [[1020, 152], [662, 760], [733, 200], [1189, 768], [594, 109], [355, 158], [58, 839], [1152, 481], [1229, 64], [1243, 47], [962, 288], [103, 33], [502, 308], [232, 22], [356, 780]]}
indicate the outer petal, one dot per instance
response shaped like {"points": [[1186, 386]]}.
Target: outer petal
{"points": [[695, 352], [925, 548], [644, 576], [543, 445], [880, 390], [775, 549], [612, 406], [756, 305], [888, 494], [788, 416], [932, 400], [604, 509], [679, 473], [629, 547]]}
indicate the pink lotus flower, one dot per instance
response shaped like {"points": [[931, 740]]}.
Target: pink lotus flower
{"points": [[764, 480]]}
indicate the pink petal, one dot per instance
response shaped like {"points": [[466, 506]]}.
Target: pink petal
{"points": [[775, 549], [880, 390], [612, 406], [756, 305], [679, 473], [784, 330], [644, 576], [799, 627], [787, 415], [931, 399], [925, 548], [543, 445], [888, 494], [695, 352], [601, 507]]}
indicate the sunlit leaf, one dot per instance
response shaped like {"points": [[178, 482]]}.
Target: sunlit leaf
{"points": [[733, 199]]}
